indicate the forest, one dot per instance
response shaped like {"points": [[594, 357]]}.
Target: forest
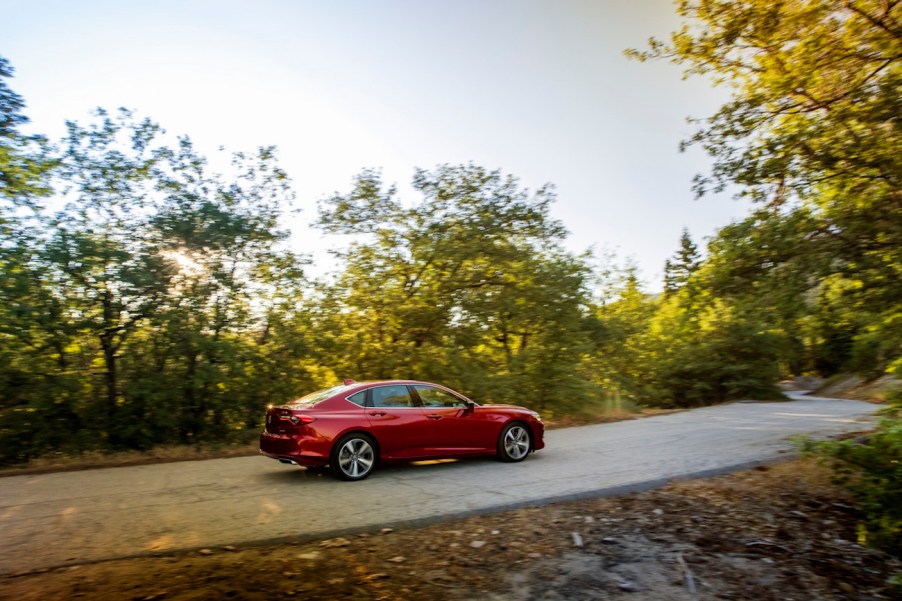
{"points": [[149, 299]]}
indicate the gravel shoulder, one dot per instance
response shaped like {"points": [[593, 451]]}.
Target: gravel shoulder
{"points": [[774, 532]]}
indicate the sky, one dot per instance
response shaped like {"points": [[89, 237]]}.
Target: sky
{"points": [[539, 89]]}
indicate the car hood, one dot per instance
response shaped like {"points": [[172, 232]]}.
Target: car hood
{"points": [[511, 407]]}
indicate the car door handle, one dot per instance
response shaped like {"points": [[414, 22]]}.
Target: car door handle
{"points": [[377, 413], [434, 416]]}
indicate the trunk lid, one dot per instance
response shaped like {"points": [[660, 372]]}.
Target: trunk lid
{"points": [[283, 420]]}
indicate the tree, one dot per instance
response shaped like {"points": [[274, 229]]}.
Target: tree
{"points": [[24, 160], [30, 341], [108, 273], [811, 136], [11, 104], [220, 329], [621, 353], [156, 306], [25, 166], [815, 89], [685, 262], [711, 350], [469, 285]]}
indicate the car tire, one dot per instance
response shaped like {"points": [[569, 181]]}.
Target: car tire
{"points": [[514, 442], [353, 457]]}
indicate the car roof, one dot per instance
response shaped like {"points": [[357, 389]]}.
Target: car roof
{"points": [[362, 385], [366, 383]]}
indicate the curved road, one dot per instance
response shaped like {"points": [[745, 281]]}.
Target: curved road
{"points": [[75, 517]]}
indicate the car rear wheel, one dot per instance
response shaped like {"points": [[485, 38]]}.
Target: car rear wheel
{"points": [[353, 457], [513, 444]]}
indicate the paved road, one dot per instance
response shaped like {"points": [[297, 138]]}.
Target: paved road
{"points": [[68, 518]]}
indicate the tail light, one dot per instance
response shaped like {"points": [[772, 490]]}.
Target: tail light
{"points": [[298, 420]]}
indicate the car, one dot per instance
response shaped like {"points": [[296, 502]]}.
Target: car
{"points": [[355, 426]]}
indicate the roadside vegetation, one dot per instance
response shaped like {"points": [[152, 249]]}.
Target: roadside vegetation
{"points": [[870, 468]]}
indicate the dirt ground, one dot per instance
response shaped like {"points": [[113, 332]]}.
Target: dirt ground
{"points": [[779, 532]]}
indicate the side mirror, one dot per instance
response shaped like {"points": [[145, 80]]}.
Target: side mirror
{"points": [[471, 406]]}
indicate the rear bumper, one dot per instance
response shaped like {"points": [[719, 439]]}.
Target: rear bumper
{"points": [[290, 449]]}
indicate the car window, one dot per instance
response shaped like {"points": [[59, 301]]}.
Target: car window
{"points": [[392, 396], [319, 395], [358, 398], [436, 397]]}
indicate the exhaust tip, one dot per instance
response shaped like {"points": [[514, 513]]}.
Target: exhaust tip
{"points": [[287, 461]]}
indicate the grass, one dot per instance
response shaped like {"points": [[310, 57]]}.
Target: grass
{"points": [[64, 462]]}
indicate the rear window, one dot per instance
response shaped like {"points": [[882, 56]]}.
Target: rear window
{"points": [[359, 398], [319, 395]]}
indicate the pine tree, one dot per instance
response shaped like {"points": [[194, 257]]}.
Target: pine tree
{"points": [[679, 269]]}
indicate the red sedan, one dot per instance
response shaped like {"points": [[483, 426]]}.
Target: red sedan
{"points": [[353, 427]]}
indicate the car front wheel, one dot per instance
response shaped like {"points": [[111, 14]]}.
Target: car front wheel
{"points": [[513, 444], [353, 457]]}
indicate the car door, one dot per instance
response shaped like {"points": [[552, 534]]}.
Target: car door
{"points": [[402, 429], [455, 428]]}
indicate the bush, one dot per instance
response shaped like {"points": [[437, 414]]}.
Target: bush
{"points": [[871, 469]]}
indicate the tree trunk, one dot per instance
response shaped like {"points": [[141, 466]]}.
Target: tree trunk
{"points": [[107, 343]]}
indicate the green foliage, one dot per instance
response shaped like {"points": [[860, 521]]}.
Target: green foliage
{"points": [[24, 160], [710, 353], [678, 271], [621, 356], [469, 286], [11, 104], [811, 135], [872, 471], [815, 93], [150, 308]]}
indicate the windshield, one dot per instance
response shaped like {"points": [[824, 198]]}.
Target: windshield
{"points": [[319, 395]]}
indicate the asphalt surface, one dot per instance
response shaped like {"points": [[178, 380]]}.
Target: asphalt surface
{"points": [[68, 518]]}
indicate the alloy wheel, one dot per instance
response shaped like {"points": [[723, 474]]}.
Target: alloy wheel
{"points": [[516, 443], [356, 458]]}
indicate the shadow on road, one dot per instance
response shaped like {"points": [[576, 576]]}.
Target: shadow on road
{"points": [[309, 476], [296, 474]]}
